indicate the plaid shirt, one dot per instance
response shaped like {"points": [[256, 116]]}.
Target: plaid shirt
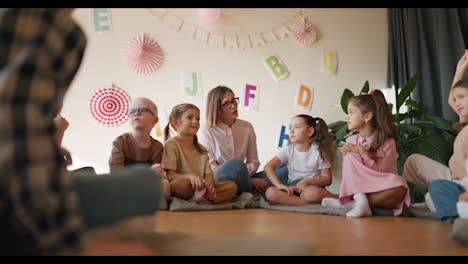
{"points": [[40, 53]]}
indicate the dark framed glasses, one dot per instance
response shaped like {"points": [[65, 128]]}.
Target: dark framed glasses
{"points": [[141, 111], [229, 104]]}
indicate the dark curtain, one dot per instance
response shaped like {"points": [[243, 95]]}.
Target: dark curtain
{"points": [[429, 41]]}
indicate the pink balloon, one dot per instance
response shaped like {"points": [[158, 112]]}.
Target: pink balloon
{"points": [[210, 15]]}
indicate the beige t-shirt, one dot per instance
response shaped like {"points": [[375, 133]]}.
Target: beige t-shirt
{"points": [[185, 161], [125, 152]]}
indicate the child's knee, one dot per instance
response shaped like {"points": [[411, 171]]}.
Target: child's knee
{"points": [[352, 157], [181, 188], [412, 161], [272, 194], [311, 195], [232, 187]]}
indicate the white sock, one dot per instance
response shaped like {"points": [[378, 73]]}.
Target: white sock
{"points": [[335, 203], [198, 195], [361, 208], [462, 209], [429, 202]]}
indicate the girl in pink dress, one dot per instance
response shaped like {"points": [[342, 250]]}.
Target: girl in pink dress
{"points": [[370, 177]]}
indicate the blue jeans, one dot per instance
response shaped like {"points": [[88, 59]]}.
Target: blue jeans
{"points": [[109, 198], [235, 170], [293, 183], [444, 195]]}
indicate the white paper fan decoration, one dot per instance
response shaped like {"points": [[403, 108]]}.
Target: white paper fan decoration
{"points": [[304, 32], [143, 54]]}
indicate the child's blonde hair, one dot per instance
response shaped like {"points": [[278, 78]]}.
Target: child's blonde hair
{"points": [[382, 119], [177, 113], [150, 103]]}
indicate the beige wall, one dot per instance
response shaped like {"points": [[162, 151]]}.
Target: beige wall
{"points": [[358, 35]]}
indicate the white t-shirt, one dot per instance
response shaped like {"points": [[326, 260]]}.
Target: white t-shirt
{"points": [[302, 164]]}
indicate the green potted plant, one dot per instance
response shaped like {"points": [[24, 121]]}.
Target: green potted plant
{"points": [[419, 132]]}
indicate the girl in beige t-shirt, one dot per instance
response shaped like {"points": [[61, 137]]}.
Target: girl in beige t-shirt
{"points": [[186, 161]]}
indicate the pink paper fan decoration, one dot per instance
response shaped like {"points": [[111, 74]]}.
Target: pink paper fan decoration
{"points": [[143, 54], [304, 32], [109, 106]]}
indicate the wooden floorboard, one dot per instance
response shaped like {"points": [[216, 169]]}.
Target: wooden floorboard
{"points": [[331, 235]]}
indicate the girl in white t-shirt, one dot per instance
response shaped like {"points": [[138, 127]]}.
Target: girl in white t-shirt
{"points": [[308, 156]]}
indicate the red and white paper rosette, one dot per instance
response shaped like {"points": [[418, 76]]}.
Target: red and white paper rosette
{"points": [[143, 54], [109, 106], [304, 32]]}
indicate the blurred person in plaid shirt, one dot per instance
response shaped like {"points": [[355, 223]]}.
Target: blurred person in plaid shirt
{"points": [[42, 210]]}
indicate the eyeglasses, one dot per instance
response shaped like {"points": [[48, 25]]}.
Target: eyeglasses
{"points": [[229, 104], [141, 111]]}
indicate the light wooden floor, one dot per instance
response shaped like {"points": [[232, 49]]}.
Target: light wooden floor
{"points": [[331, 235]]}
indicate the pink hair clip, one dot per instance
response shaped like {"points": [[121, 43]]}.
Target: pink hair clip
{"points": [[371, 92]]}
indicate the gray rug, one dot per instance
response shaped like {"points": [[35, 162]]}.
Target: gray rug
{"points": [[308, 209], [419, 212], [245, 200]]}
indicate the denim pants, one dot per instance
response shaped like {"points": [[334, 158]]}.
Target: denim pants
{"points": [[444, 194], [235, 170], [109, 198]]}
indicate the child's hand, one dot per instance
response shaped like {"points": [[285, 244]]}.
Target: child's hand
{"points": [[159, 170], [301, 186], [462, 65], [67, 155], [359, 149], [353, 148], [196, 182], [210, 186], [347, 147], [463, 197], [289, 190], [259, 184]]}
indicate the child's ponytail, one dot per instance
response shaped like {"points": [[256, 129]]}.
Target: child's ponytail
{"points": [[324, 140]]}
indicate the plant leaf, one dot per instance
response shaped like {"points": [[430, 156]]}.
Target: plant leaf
{"points": [[435, 147], [415, 105], [406, 91], [440, 123], [409, 129], [335, 126], [341, 135], [345, 97]]}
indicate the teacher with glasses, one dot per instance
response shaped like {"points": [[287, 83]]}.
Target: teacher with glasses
{"points": [[232, 144]]}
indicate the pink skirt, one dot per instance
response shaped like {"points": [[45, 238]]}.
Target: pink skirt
{"points": [[357, 178]]}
